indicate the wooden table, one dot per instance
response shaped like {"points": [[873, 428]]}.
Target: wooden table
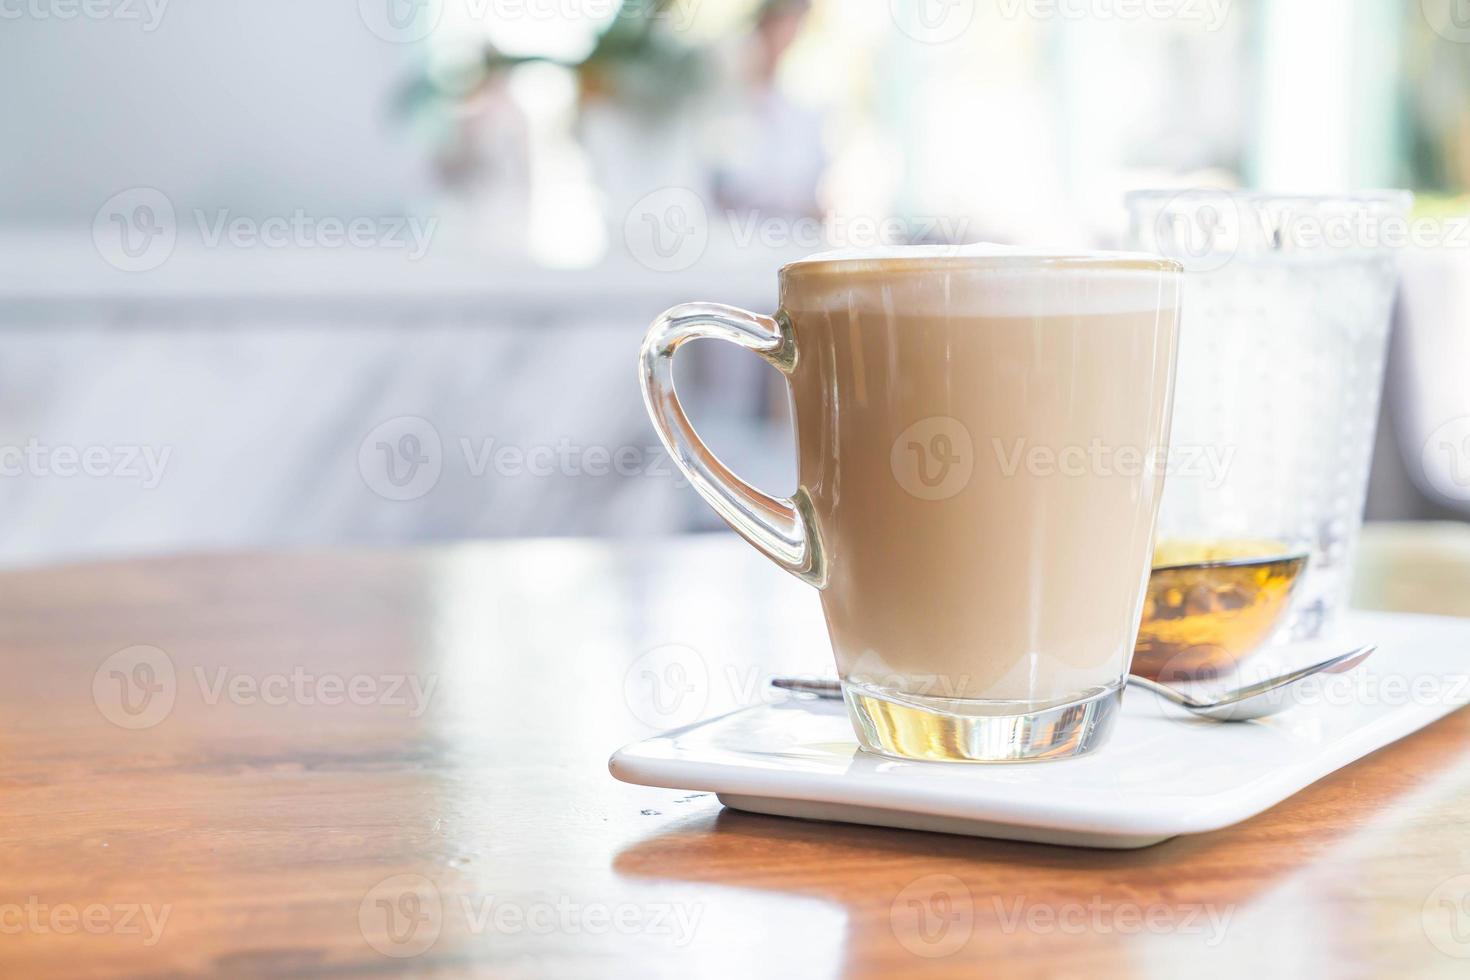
{"points": [[365, 764]]}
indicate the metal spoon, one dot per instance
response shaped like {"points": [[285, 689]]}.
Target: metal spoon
{"points": [[1253, 701]]}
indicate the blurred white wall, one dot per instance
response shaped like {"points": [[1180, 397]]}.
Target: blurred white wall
{"points": [[261, 107], [239, 396]]}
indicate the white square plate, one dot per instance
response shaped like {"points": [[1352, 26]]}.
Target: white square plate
{"points": [[1163, 772]]}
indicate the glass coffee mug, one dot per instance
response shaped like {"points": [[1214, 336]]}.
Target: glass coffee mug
{"points": [[981, 439]]}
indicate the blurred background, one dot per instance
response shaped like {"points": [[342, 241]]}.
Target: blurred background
{"points": [[365, 272]]}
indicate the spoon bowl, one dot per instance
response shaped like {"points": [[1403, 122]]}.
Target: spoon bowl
{"points": [[1254, 700]]}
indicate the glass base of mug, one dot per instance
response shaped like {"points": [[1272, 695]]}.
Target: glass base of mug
{"points": [[913, 726]]}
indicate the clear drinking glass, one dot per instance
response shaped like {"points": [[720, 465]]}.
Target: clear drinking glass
{"points": [[1287, 303], [979, 439]]}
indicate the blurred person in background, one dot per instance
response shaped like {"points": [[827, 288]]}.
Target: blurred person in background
{"points": [[768, 148]]}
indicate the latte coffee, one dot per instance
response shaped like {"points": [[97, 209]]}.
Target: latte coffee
{"points": [[980, 446]]}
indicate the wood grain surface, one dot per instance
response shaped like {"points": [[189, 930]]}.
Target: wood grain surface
{"points": [[369, 764]]}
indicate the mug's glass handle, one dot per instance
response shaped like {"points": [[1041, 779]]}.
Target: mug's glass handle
{"points": [[782, 527]]}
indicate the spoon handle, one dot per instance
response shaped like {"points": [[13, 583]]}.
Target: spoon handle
{"points": [[803, 685]]}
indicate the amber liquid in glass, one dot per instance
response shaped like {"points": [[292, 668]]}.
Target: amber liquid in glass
{"points": [[1210, 604]]}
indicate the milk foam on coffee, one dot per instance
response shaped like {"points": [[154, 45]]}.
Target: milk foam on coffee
{"points": [[980, 435], [984, 279]]}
